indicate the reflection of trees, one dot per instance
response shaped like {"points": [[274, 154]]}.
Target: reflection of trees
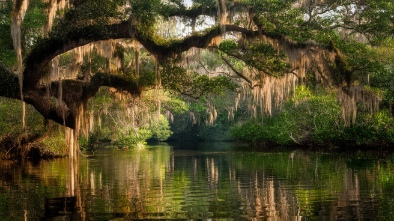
{"points": [[315, 186], [187, 184], [24, 185], [161, 183], [348, 205], [123, 182]]}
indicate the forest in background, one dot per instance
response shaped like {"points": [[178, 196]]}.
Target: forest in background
{"points": [[264, 72]]}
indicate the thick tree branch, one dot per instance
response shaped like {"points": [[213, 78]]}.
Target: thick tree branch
{"points": [[115, 81], [49, 48], [76, 93], [175, 47], [50, 108]]}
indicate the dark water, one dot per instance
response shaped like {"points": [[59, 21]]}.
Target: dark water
{"points": [[213, 182]]}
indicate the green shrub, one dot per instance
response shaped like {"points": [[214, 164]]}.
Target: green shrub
{"points": [[376, 130], [219, 131], [160, 129], [90, 143], [11, 118], [384, 124], [307, 118], [316, 119], [54, 145], [133, 138], [249, 132]]}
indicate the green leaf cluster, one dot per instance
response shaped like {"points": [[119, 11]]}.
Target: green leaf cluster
{"points": [[257, 54], [376, 130], [192, 84], [11, 118], [145, 14], [133, 138], [7, 53], [160, 128], [307, 118], [228, 45], [311, 118]]}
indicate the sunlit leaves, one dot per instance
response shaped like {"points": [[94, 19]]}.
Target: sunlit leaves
{"points": [[353, 59], [88, 17], [98, 11], [145, 13], [175, 104], [133, 138], [280, 17], [377, 19], [266, 57], [160, 128], [35, 17], [308, 117], [228, 45]]}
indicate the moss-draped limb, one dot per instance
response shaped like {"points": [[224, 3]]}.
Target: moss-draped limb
{"points": [[239, 74], [74, 93], [171, 48], [55, 45], [49, 108], [115, 81], [77, 92]]}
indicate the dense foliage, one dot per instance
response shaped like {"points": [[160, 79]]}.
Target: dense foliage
{"points": [[211, 63], [315, 120], [37, 140]]}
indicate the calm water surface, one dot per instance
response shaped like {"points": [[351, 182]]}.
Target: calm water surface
{"points": [[213, 182]]}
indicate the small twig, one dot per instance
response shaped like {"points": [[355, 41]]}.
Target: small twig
{"points": [[291, 136]]}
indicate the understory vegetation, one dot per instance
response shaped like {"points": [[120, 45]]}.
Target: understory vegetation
{"points": [[37, 140], [315, 119]]}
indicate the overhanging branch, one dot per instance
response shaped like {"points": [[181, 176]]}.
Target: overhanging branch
{"points": [[239, 74], [51, 47]]}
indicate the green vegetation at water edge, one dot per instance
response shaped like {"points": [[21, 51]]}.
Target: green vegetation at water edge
{"points": [[316, 119]]}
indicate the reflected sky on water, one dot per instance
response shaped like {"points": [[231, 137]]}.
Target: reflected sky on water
{"points": [[210, 182]]}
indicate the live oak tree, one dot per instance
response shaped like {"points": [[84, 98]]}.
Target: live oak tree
{"points": [[47, 49]]}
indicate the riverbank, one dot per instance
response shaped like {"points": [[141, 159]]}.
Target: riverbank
{"points": [[32, 146]]}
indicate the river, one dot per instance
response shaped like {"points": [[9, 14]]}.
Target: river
{"points": [[213, 181]]}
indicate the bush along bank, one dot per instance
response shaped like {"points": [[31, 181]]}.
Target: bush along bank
{"points": [[315, 120], [36, 141]]}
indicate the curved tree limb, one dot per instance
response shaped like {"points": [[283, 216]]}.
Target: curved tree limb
{"points": [[77, 92], [51, 47], [47, 49]]}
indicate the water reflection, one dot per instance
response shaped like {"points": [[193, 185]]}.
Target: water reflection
{"points": [[210, 184]]}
